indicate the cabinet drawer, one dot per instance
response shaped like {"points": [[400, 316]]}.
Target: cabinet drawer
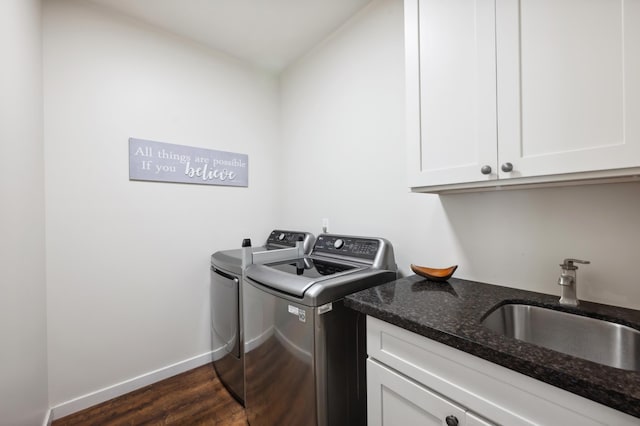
{"points": [[494, 392]]}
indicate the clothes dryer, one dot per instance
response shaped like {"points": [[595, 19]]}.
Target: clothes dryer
{"points": [[226, 307]]}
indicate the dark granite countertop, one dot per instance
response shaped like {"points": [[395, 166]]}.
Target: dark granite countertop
{"points": [[451, 312]]}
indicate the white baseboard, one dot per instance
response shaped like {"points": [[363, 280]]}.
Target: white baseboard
{"points": [[48, 418], [127, 386]]}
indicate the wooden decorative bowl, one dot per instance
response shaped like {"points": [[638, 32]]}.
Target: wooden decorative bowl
{"points": [[434, 274]]}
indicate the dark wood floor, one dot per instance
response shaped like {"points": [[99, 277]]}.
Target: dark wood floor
{"points": [[193, 398]]}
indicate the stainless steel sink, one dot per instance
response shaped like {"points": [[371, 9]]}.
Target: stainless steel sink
{"points": [[596, 340]]}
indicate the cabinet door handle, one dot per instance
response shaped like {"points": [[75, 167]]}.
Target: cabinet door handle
{"points": [[485, 170], [507, 167], [451, 420]]}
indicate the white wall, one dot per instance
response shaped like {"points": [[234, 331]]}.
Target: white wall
{"points": [[128, 262], [343, 137], [23, 352]]}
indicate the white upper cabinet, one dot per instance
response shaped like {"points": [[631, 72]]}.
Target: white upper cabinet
{"points": [[503, 92], [451, 82]]}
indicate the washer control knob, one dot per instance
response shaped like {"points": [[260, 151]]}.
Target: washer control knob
{"points": [[337, 244], [281, 236]]}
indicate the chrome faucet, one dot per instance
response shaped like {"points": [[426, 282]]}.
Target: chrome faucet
{"points": [[568, 281]]}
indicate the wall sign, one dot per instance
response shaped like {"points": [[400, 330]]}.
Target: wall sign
{"points": [[166, 162]]}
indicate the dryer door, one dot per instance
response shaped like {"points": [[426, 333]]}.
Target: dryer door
{"points": [[225, 319]]}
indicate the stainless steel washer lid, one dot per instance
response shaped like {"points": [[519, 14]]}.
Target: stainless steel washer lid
{"points": [[297, 276], [231, 260], [338, 265], [315, 291]]}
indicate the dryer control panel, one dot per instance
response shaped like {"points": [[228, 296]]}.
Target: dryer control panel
{"points": [[280, 239]]}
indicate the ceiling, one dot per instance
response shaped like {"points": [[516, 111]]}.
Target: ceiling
{"points": [[270, 34]]}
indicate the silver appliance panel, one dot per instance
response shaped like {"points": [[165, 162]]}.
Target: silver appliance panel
{"points": [[375, 252], [287, 239], [279, 360], [226, 329], [227, 334], [304, 364], [304, 350], [316, 291]]}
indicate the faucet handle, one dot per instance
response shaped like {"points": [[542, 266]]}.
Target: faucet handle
{"points": [[569, 263]]}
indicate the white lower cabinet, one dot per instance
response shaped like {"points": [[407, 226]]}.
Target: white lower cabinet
{"points": [[412, 380], [393, 400]]}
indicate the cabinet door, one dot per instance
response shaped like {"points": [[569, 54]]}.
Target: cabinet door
{"points": [[568, 86], [475, 420], [395, 400], [451, 91]]}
